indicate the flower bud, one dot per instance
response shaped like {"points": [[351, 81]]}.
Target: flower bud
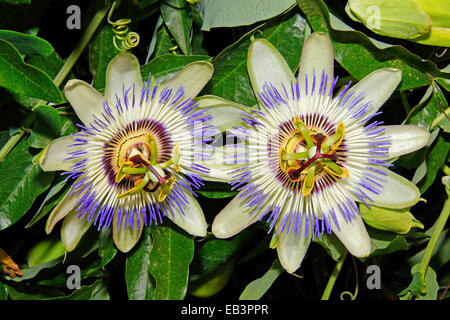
{"points": [[395, 220]]}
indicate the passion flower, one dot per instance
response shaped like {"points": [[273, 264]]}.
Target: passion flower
{"points": [[133, 161], [307, 157]]}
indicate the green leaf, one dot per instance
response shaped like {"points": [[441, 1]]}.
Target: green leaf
{"points": [[216, 252], [226, 13], [24, 79], [257, 288], [101, 52], [231, 80], [436, 158], [359, 56], [27, 44], [44, 251], [332, 245], [3, 292], [53, 197], [385, 242], [170, 257], [216, 190], [16, 1], [213, 282], [25, 292], [95, 291], [139, 282], [46, 126], [426, 289], [166, 66], [106, 247], [178, 19], [30, 273], [21, 182], [164, 42]]}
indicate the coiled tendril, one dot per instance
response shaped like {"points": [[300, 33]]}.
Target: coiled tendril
{"points": [[128, 39]]}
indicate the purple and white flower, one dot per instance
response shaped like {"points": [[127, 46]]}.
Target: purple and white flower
{"points": [[133, 161]]}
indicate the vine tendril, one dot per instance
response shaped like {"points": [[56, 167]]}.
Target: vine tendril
{"points": [[128, 39], [355, 294]]}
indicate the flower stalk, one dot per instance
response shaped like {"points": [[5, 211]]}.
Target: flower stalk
{"points": [[332, 280]]}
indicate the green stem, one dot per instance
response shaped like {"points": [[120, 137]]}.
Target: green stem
{"points": [[72, 59], [405, 102], [440, 224], [11, 144], [337, 268], [62, 74]]}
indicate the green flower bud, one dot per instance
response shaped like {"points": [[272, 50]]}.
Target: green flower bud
{"points": [[44, 251], [422, 21], [395, 220]]}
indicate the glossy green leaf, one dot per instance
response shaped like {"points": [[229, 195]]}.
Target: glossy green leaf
{"points": [[54, 196], [170, 257], [164, 43], [24, 79], [167, 65], [106, 247], [257, 288], [384, 242], [30, 273], [3, 292], [101, 52], [225, 13], [137, 276], [46, 126], [214, 253], [425, 289], [213, 282], [231, 80], [21, 182], [45, 251], [332, 245], [27, 44], [178, 19], [359, 56], [95, 291], [25, 292]]}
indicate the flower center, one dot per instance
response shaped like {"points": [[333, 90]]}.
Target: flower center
{"points": [[138, 163], [307, 153]]}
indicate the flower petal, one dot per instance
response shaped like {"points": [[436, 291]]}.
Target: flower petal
{"points": [[317, 57], [223, 161], [226, 114], [63, 208], [377, 87], [85, 100], [291, 248], [193, 77], [52, 158], [397, 192], [233, 218], [191, 219], [265, 64], [126, 238], [123, 70], [405, 139], [353, 235], [73, 229]]}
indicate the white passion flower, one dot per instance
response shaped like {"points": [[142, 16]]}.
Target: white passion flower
{"points": [[307, 156], [133, 161]]}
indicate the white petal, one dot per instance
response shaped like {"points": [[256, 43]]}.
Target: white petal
{"points": [[85, 100], [193, 77], [397, 192], [193, 221], [292, 248], [226, 114], [221, 163], [52, 158], [377, 87], [73, 229], [123, 70], [126, 238], [233, 218], [405, 139], [63, 208], [353, 235], [317, 57], [265, 64]]}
